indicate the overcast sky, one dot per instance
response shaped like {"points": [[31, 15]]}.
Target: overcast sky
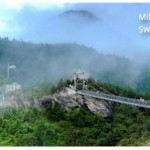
{"points": [[117, 32]]}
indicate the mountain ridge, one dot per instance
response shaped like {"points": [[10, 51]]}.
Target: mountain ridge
{"points": [[37, 63]]}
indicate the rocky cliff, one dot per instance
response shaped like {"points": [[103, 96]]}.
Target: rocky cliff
{"points": [[76, 101], [11, 95], [14, 99]]}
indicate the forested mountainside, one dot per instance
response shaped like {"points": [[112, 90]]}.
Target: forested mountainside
{"points": [[57, 91], [52, 126], [38, 63]]}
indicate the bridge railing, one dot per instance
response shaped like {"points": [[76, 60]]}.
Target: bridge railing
{"points": [[114, 97]]}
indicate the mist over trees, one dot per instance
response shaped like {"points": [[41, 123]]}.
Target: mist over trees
{"points": [[37, 63], [96, 38]]}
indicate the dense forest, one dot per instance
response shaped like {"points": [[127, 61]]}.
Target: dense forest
{"points": [[40, 66], [52, 126], [38, 63]]}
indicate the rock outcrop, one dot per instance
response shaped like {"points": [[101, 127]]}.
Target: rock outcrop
{"points": [[14, 99], [76, 101], [11, 95]]}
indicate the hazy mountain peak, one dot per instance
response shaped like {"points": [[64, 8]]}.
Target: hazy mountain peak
{"points": [[82, 15]]}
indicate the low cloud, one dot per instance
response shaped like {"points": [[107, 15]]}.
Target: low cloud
{"points": [[115, 33]]}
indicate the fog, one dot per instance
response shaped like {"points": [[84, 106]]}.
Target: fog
{"points": [[107, 31], [115, 32]]}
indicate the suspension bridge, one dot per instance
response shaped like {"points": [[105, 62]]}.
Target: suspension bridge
{"points": [[114, 98], [108, 97]]}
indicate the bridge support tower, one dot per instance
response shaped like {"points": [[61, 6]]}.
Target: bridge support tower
{"points": [[79, 75]]}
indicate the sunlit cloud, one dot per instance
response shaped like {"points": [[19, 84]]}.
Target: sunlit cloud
{"points": [[39, 4]]}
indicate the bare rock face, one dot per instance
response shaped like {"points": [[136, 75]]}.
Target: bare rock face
{"points": [[76, 101], [14, 99], [67, 102], [11, 95], [98, 106]]}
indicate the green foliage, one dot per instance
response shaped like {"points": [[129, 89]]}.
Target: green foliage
{"points": [[83, 118], [129, 126], [79, 127], [55, 112]]}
